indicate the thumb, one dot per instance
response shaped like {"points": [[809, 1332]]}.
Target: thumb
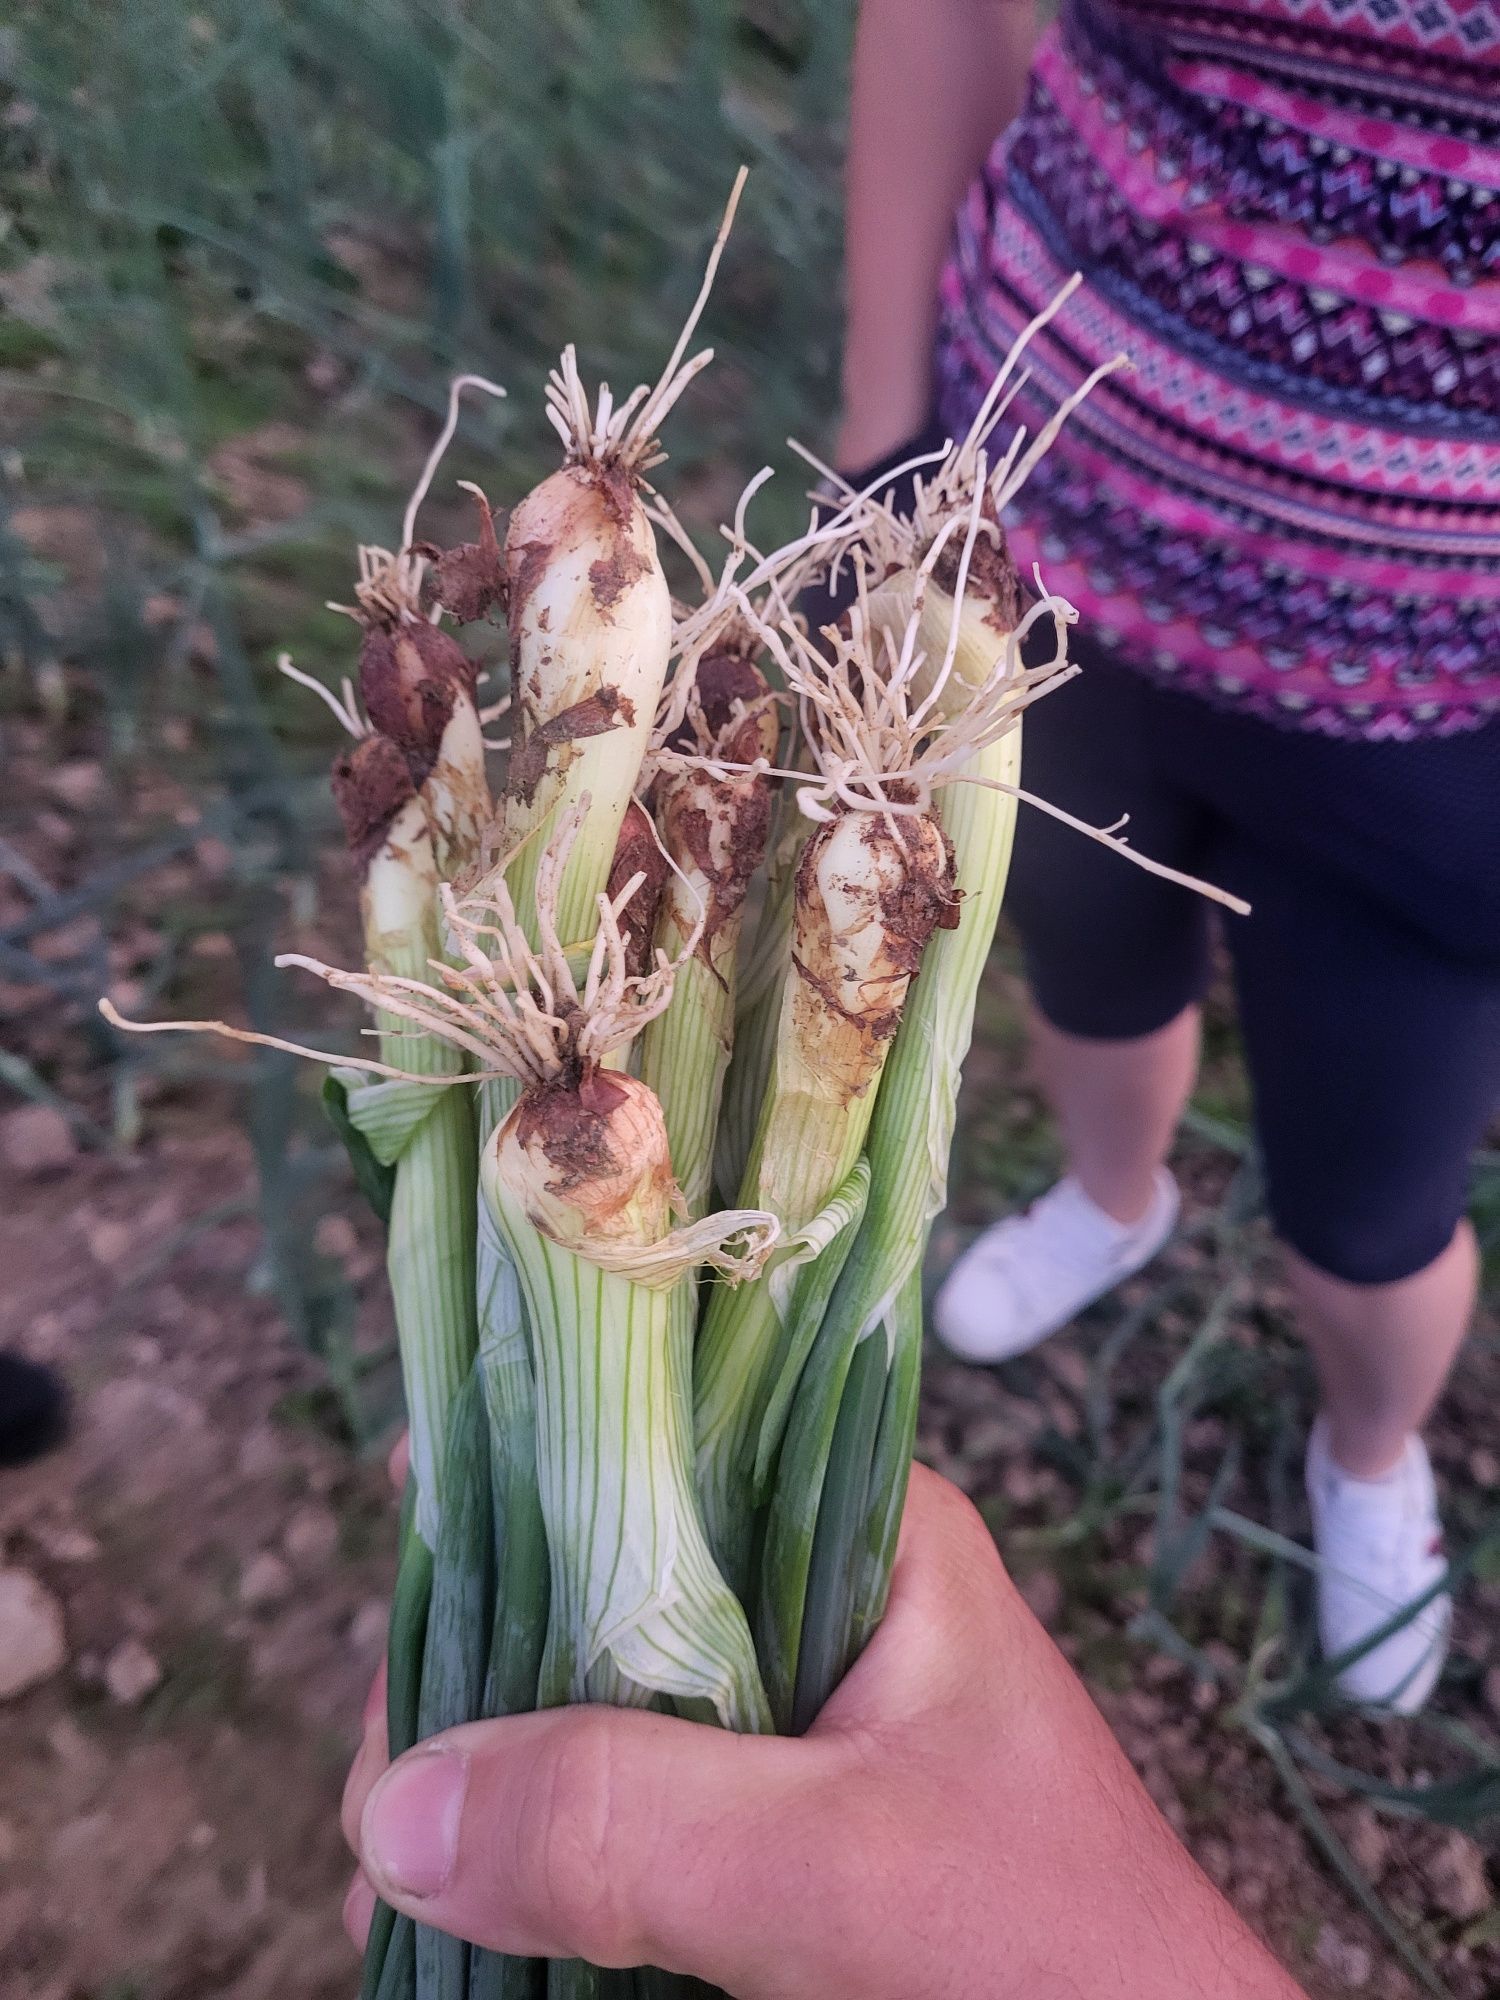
{"points": [[619, 1837]]}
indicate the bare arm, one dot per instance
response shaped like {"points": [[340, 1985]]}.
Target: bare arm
{"points": [[934, 82]]}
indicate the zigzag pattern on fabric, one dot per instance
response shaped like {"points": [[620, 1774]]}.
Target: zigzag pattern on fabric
{"points": [[1292, 506]]}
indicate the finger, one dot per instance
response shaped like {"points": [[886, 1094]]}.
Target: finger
{"points": [[359, 1910], [399, 1459], [370, 1760], [374, 1708], [621, 1838]]}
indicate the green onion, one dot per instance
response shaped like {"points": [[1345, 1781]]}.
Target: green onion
{"points": [[427, 1135], [456, 1650], [714, 830]]}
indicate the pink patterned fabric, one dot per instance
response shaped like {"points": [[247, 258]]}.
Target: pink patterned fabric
{"points": [[1292, 503]]}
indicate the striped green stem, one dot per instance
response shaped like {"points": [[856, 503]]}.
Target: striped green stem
{"points": [[457, 1645], [911, 1131], [761, 982], [684, 1053], [522, 1584], [398, 1975], [428, 1135], [823, 1653], [876, 1303], [890, 1469], [869, 891], [430, 1261], [638, 1606], [520, 1535]]}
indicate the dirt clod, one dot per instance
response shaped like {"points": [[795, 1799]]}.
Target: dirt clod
{"points": [[35, 1139], [311, 1537], [592, 716], [612, 575], [33, 1640], [993, 579], [371, 783], [1348, 1963], [469, 581], [265, 1580], [638, 851], [131, 1673], [1458, 1877], [410, 675]]}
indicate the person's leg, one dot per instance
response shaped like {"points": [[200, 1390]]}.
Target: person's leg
{"points": [[1373, 1043], [1117, 960], [1383, 1351], [1117, 1104], [1370, 1003]]}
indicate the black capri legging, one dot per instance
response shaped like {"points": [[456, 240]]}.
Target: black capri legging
{"points": [[1368, 974]]}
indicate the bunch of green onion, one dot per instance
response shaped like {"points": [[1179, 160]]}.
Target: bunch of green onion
{"points": [[660, 1446]]}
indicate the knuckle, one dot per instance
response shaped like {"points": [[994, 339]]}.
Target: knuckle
{"points": [[572, 1854]]}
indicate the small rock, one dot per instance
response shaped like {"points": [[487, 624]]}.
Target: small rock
{"points": [[36, 1139], [1484, 1466], [262, 1452], [109, 1242], [202, 1837], [324, 373], [312, 1537], [48, 1339], [1044, 1594], [1161, 1669], [1207, 1695], [77, 783], [264, 1580], [1456, 1875], [130, 1673], [213, 944], [214, 856], [1216, 1859], [335, 1236], [1021, 1483], [1368, 1842], [1164, 1794], [72, 1748], [78, 1842], [1343, 1960], [993, 1437], [63, 1542], [1069, 1367], [369, 1625], [33, 1638], [1251, 1893], [1145, 1708], [51, 828]]}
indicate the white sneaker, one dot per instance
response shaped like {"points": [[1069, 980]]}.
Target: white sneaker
{"points": [[1030, 1274], [1381, 1544]]}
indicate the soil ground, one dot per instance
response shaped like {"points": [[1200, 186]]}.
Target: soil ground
{"points": [[168, 1806]]}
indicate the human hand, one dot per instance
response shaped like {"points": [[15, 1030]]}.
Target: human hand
{"points": [[958, 1820]]}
